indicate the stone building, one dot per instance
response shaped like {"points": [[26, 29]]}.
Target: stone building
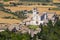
{"points": [[38, 18]]}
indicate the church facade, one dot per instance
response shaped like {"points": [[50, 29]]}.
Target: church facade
{"points": [[38, 19]]}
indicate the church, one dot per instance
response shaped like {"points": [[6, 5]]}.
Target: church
{"points": [[38, 19]]}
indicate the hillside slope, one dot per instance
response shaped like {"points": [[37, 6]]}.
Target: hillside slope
{"points": [[3, 14], [8, 20]]}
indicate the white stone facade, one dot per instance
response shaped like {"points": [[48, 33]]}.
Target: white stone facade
{"points": [[39, 19]]}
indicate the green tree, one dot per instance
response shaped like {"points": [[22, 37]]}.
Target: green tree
{"points": [[14, 36], [50, 32], [20, 14]]}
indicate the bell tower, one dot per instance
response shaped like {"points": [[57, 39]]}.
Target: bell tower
{"points": [[34, 13]]}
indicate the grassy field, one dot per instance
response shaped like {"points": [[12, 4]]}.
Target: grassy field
{"points": [[17, 8], [55, 9], [30, 7], [3, 14], [40, 8], [56, 1], [10, 21]]}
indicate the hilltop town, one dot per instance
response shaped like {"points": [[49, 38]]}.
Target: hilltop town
{"points": [[36, 18]]}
